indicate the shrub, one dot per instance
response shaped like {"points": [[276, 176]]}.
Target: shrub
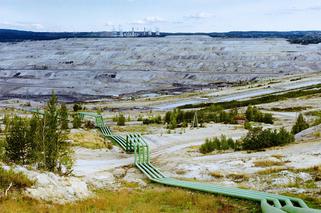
{"points": [[153, 120], [89, 124], [247, 125], [140, 118], [222, 143], [257, 138], [76, 122], [77, 107], [300, 124], [121, 120], [254, 114]]}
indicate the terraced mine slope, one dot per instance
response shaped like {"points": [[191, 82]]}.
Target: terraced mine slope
{"points": [[91, 68]]}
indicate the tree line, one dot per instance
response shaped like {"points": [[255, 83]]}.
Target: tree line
{"points": [[217, 114]]}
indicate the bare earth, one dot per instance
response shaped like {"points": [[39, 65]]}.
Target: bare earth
{"points": [[82, 69]]}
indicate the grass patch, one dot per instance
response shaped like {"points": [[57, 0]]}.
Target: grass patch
{"points": [[181, 172], [271, 170], [18, 179], [278, 156], [216, 174], [311, 201], [142, 129], [238, 177], [129, 184], [88, 139], [268, 163], [157, 199]]}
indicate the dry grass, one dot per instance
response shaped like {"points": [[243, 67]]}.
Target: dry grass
{"points": [[268, 163], [216, 174], [278, 156], [238, 177], [271, 170], [88, 139], [142, 129], [180, 171], [158, 199], [317, 134], [18, 179]]}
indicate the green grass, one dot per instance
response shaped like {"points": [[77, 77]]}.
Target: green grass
{"points": [[155, 199], [18, 179]]}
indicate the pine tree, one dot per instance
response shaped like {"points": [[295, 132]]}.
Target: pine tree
{"points": [[300, 124], [51, 133], [249, 113], [17, 147], [76, 122], [63, 116], [121, 120], [33, 139]]}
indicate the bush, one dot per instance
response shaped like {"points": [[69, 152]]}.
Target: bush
{"points": [[77, 107], [257, 138], [300, 125], [153, 120], [121, 120], [76, 122], [254, 114], [222, 143], [247, 125], [140, 118], [89, 124]]}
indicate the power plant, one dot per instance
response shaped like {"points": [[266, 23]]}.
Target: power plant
{"points": [[134, 33]]}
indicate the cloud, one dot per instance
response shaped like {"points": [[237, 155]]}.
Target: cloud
{"points": [[22, 25], [149, 20], [200, 15]]}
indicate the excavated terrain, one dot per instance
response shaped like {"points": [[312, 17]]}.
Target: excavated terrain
{"points": [[92, 68]]}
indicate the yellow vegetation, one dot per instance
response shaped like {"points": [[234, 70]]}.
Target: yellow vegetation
{"points": [[268, 163], [157, 199], [88, 139]]}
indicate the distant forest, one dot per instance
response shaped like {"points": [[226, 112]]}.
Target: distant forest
{"points": [[295, 37]]}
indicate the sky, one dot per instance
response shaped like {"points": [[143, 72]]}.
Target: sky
{"points": [[165, 15]]}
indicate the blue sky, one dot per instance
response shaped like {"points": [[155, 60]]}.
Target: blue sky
{"points": [[167, 15]]}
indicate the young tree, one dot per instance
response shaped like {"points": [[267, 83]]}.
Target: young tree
{"points": [[121, 120], [300, 124], [77, 107], [249, 113], [63, 116], [52, 136], [17, 147], [76, 122], [33, 139]]}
